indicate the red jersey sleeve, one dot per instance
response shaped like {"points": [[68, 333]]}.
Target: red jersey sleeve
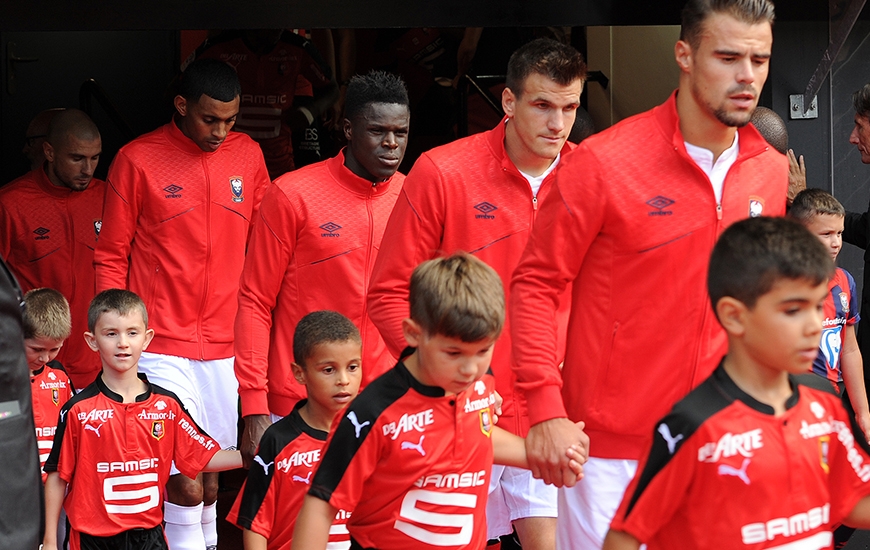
{"points": [[569, 220], [121, 209], [412, 235], [270, 249], [193, 447]]}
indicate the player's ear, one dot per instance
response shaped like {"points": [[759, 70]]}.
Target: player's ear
{"points": [[347, 128], [683, 55], [91, 340], [299, 373], [508, 102], [413, 332], [731, 313], [149, 335], [48, 151], [180, 105]]}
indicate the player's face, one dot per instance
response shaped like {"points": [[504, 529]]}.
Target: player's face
{"points": [[541, 117], [332, 374], [206, 121], [829, 229], [450, 363], [782, 331], [71, 163], [41, 350], [376, 140], [860, 137], [728, 68], [120, 339]]}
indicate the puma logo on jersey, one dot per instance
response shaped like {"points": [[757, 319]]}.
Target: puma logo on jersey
{"points": [[731, 445], [726, 470], [356, 423], [665, 432], [93, 429], [408, 422], [306, 480], [265, 466], [416, 446]]}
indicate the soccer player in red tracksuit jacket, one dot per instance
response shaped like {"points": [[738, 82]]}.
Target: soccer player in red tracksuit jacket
{"points": [[269, 63], [180, 205], [49, 222], [481, 195], [313, 247], [630, 222]]}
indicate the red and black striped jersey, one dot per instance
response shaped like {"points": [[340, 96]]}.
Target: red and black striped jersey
{"points": [[116, 456], [841, 311], [412, 463], [724, 472], [278, 480], [50, 388]]}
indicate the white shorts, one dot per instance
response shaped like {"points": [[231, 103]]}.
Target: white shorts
{"points": [[208, 389], [586, 510], [515, 494]]}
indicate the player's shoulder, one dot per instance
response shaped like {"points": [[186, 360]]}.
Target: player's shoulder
{"points": [[474, 147], [382, 393], [815, 385], [146, 143], [300, 181], [82, 399], [25, 184], [846, 276]]}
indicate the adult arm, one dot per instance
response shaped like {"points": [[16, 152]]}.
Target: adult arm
{"points": [[797, 176], [121, 209], [312, 524], [412, 235], [852, 367], [855, 229], [544, 270], [619, 540]]}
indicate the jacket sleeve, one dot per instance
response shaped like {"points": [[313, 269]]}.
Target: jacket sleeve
{"points": [[855, 229], [270, 249], [569, 220], [413, 234], [121, 209], [263, 183]]}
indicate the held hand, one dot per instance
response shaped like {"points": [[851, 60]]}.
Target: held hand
{"points": [[497, 408], [797, 175], [864, 423], [547, 447], [255, 425], [575, 462]]}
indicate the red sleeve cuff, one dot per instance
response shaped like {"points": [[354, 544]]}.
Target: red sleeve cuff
{"points": [[254, 402], [545, 403]]}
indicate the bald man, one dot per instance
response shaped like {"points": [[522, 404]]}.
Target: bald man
{"points": [[49, 222]]}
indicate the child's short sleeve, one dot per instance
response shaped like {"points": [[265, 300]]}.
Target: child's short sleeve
{"points": [[62, 458], [193, 447], [853, 315]]}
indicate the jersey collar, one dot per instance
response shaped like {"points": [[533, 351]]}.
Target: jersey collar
{"points": [[303, 426], [730, 389], [347, 179], [104, 389], [413, 383]]}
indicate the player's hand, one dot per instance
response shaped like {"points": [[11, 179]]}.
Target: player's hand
{"points": [[864, 423], [797, 175], [497, 407], [547, 447], [255, 425]]}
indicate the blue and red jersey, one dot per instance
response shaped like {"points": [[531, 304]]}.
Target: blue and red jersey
{"points": [[841, 310]]}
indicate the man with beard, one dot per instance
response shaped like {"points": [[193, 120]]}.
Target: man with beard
{"points": [[631, 222], [49, 222]]}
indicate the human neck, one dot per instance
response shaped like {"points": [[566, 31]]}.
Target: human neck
{"points": [[126, 384], [701, 128], [768, 386], [412, 363], [316, 416], [526, 161]]}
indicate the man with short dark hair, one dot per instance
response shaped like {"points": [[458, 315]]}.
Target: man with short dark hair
{"points": [[631, 221], [49, 222], [313, 247], [857, 226], [480, 194], [178, 212]]}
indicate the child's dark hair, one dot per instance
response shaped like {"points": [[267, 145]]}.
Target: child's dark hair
{"points": [[321, 327], [812, 202], [753, 254], [120, 301], [46, 314], [458, 297]]}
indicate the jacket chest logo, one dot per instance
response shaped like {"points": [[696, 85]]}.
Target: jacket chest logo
{"points": [[173, 191], [41, 233], [756, 206], [330, 230], [486, 209], [237, 188], [659, 204]]}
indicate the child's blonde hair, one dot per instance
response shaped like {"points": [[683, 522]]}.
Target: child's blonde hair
{"points": [[459, 297], [46, 315]]}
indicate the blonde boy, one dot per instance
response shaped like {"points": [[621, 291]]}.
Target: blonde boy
{"points": [[327, 349], [116, 440], [47, 325], [412, 455], [757, 456]]}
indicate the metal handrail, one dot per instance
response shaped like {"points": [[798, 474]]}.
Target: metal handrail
{"points": [[91, 89]]}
